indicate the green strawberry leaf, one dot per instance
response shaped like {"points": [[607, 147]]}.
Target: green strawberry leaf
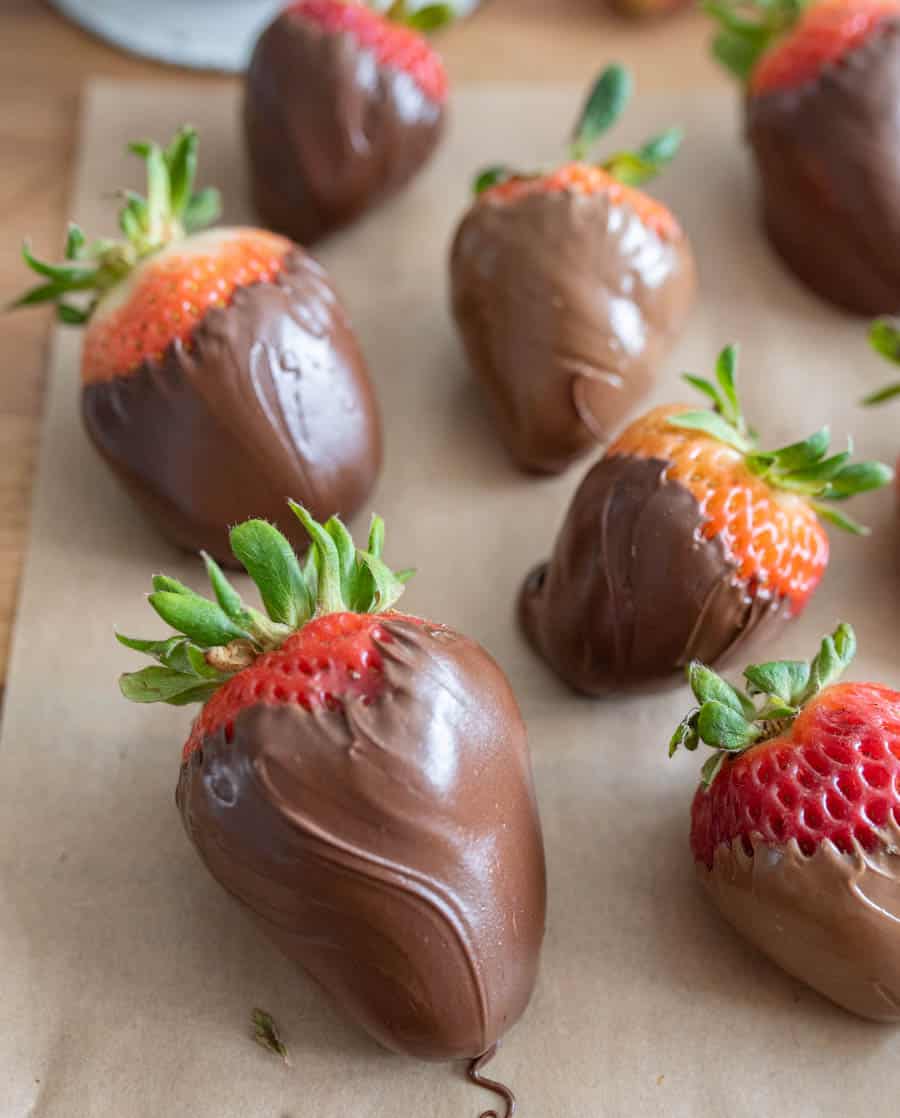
{"points": [[163, 685], [204, 622], [784, 679], [216, 640], [711, 767], [606, 102], [721, 726], [711, 424], [431, 17], [730, 722], [271, 563], [491, 176], [710, 687], [202, 209]]}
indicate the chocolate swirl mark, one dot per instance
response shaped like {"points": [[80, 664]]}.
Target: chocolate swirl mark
{"points": [[474, 1074], [392, 850], [270, 398], [634, 590]]}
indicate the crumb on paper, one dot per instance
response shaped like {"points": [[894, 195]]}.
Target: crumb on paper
{"points": [[660, 1080], [266, 1034]]}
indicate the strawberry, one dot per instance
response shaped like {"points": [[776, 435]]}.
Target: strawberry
{"points": [[795, 828], [568, 286], [343, 106], [817, 78], [684, 540], [218, 368], [359, 778]]}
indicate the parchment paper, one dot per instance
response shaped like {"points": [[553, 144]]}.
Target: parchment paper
{"points": [[127, 976]]}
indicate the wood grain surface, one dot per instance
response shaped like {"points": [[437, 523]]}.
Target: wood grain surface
{"points": [[44, 63]]}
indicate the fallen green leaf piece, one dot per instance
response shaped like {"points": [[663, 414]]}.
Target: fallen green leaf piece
{"points": [[266, 1034]]}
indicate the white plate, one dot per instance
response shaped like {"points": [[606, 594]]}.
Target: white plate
{"points": [[201, 34]]}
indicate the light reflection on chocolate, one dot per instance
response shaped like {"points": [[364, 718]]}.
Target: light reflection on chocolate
{"points": [[566, 304], [271, 399], [394, 849]]}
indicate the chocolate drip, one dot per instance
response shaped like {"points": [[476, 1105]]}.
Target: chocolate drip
{"points": [[392, 849], [271, 400], [566, 304], [828, 156], [475, 1075], [634, 591], [329, 131]]}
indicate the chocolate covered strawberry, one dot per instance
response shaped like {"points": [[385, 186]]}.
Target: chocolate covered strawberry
{"points": [[821, 82], [795, 828], [343, 105], [358, 778], [219, 370], [568, 287], [685, 540]]}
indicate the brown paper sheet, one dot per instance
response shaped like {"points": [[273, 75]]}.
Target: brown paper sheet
{"points": [[127, 976]]}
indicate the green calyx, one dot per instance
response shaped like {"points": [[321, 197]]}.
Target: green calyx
{"points": [[216, 639], [747, 28], [604, 105], [429, 17], [170, 211], [804, 468], [884, 338], [730, 720]]}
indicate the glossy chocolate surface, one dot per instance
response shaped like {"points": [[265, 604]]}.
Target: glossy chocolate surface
{"points": [[393, 850], [634, 591], [566, 303], [830, 919], [329, 131], [828, 156], [271, 400]]}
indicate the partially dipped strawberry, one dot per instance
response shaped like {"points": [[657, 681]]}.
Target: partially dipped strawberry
{"points": [[568, 287], [358, 778], [821, 80], [795, 828], [343, 106], [219, 370], [684, 541]]}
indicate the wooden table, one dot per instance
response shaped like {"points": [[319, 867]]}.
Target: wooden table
{"points": [[43, 63]]}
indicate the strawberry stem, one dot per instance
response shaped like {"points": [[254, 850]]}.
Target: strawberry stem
{"points": [[428, 17], [603, 106], [216, 639], [803, 468], [730, 720], [171, 210]]}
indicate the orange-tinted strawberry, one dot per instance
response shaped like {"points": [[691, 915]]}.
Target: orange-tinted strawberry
{"points": [[219, 370], [568, 287], [684, 541], [343, 106], [795, 828], [817, 77], [359, 778]]}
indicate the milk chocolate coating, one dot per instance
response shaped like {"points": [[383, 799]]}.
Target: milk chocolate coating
{"points": [[831, 919], [566, 304], [634, 591], [828, 156], [271, 400], [329, 131], [393, 850]]}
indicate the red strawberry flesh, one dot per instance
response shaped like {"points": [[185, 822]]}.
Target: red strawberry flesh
{"points": [[835, 776], [825, 34], [393, 45], [330, 660]]}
